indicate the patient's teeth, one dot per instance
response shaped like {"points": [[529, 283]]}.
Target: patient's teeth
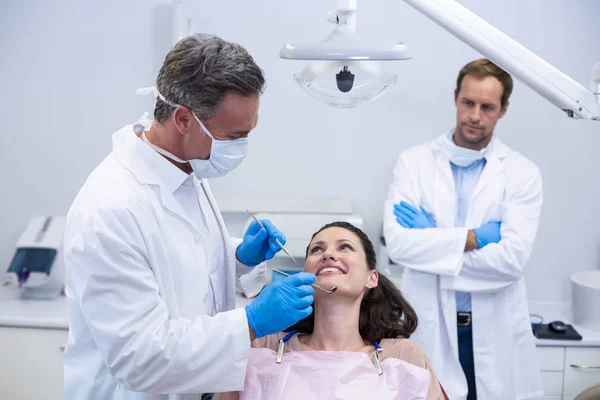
{"points": [[330, 269]]}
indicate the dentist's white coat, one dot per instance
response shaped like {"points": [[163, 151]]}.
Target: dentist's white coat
{"points": [[138, 278], [509, 190]]}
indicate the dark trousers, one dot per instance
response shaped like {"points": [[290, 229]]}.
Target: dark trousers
{"points": [[465, 355]]}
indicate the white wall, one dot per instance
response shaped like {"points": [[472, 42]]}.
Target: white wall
{"points": [[68, 71]]}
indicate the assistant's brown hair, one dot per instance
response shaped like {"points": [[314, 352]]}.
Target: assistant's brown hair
{"points": [[384, 312], [483, 68]]}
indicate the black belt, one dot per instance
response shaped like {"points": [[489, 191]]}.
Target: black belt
{"points": [[463, 318]]}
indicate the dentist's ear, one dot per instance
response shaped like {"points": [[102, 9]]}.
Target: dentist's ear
{"points": [[373, 280], [183, 120]]}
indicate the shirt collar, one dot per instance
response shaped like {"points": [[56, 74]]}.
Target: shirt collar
{"points": [[143, 162], [166, 172]]}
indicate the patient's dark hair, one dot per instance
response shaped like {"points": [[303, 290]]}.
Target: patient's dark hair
{"points": [[384, 312]]}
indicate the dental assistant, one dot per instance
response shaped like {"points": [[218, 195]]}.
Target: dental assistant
{"points": [[461, 216]]}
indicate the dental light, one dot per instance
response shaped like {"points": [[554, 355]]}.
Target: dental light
{"points": [[345, 69], [344, 48]]}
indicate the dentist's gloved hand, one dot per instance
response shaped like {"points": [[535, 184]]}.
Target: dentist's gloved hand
{"points": [[411, 217], [487, 233], [258, 244], [281, 304]]}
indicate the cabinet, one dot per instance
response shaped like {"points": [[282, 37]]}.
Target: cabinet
{"points": [[31, 363], [582, 369], [567, 371]]}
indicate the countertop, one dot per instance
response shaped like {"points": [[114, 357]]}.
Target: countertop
{"points": [[52, 314], [49, 314], [561, 311], [14, 311]]}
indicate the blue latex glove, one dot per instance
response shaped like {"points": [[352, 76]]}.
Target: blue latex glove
{"points": [[258, 244], [487, 233], [281, 304], [411, 217]]}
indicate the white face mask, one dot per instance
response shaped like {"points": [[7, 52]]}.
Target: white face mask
{"points": [[225, 155], [460, 156]]}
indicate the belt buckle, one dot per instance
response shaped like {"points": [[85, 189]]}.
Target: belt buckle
{"points": [[468, 319]]}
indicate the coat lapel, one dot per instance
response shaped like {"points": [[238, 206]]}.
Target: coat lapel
{"points": [[493, 167], [445, 191], [130, 151]]}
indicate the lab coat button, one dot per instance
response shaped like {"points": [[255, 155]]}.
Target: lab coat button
{"points": [[197, 239], [206, 297]]}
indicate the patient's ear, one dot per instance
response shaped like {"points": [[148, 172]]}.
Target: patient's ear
{"points": [[373, 280]]}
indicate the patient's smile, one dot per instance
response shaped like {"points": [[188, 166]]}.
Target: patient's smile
{"points": [[330, 271]]}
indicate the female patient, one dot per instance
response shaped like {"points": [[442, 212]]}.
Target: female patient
{"points": [[355, 345]]}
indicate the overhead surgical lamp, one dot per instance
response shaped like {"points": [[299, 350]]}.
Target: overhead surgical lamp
{"points": [[345, 68], [524, 65], [550, 83]]}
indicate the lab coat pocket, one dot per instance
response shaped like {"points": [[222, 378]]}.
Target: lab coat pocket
{"points": [[492, 204]]}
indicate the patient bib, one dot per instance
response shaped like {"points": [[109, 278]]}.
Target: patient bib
{"points": [[312, 375]]}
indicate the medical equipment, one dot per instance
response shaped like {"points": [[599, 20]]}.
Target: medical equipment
{"points": [[530, 69], [410, 217], [281, 304], [330, 291], [298, 226], [37, 266], [488, 233], [275, 239], [375, 357], [524, 65], [349, 57], [225, 155], [585, 296], [461, 156]]}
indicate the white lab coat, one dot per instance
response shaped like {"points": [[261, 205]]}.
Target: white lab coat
{"points": [[138, 278], [509, 190]]}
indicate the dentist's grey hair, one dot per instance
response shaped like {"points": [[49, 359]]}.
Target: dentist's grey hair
{"points": [[200, 70]]}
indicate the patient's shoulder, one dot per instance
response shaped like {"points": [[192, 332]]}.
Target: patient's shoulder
{"points": [[268, 342], [412, 353], [405, 350]]}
